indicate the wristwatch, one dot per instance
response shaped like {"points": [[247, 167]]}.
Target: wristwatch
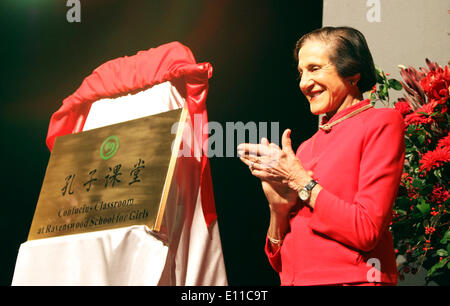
{"points": [[305, 192]]}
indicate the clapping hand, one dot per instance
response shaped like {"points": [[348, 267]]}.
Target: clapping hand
{"points": [[281, 172]]}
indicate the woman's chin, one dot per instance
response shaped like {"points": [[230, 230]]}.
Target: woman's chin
{"points": [[316, 110]]}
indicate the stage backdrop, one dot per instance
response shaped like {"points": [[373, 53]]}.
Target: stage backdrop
{"points": [[398, 32]]}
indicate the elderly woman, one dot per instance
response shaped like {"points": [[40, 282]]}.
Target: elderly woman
{"points": [[331, 201]]}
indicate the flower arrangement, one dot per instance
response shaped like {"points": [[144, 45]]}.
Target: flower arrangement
{"points": [[420, 224]]}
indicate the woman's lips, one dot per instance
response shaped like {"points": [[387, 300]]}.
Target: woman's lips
{"points": [[315, 96]]}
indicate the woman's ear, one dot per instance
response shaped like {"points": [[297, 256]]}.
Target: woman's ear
{"points": [[354, 79]]}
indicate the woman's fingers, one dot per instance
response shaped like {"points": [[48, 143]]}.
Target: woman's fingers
{"points": [[286, 142], [253, 163], [265, 161], [246, 161], [255, 149], [266, 153], [265, 141], [263, 170], [269, 162]]}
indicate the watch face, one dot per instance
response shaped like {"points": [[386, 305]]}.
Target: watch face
{"points": [[303, 194]]}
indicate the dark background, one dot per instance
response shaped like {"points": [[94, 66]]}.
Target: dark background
{"points": [[250, 46]]}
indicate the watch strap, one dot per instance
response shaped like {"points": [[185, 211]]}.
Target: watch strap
{"points": [[310, 185]]}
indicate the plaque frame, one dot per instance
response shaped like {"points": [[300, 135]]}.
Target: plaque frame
{"points": [[44, 224]]}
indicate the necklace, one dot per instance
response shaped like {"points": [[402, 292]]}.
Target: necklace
{"points": [[327, 126]]}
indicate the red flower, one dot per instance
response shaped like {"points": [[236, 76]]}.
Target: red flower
{"points": [[436, 83], [436, 158], [427, 108], [417, 119], [439, 194], [440, 104], [406, 178], [403, 107], [421, 115], [444, 142]]}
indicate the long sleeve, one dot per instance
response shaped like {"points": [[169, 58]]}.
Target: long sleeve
{"points": [[273, 257], [361, 222]]}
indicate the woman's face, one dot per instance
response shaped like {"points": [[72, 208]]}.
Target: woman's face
{"points": [[320, 82]]}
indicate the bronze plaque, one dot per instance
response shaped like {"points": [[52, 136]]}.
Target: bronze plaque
{"points": [[109, 177]]}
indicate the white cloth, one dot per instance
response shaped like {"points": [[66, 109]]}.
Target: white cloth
{"points": [[188, 253], [111, 257]]}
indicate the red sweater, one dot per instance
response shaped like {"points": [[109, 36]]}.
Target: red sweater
{"points": [[358, 164]]}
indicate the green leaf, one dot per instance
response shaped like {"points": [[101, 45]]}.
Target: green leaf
{"points": [[421, 139], [393, 83], [380, 92], [379, 75], [446, 237], [437, 173], [437, 266], [442, 252], [401, 204], [409, 149], [424, 208], [411, 129], [408, 142], [401, 212], [427, 189], [384, 90], [417, 183]]}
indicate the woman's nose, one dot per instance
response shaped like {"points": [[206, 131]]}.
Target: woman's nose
{"points": [[305, 83]]}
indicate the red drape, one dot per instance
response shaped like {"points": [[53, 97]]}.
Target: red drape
{"points": [[172, 62]]}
